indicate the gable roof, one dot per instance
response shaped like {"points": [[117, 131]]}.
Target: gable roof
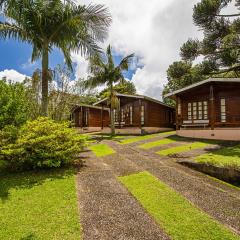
{"points": [[135, 96], [89, 106], [202, 83]]}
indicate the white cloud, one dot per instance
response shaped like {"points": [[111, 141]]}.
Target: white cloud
{"points": [[153, 30], [29, 64], [12, 75]]}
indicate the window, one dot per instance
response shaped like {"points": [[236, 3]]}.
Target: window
{"points": [[197, 110], [142, 115], [205, 110], [200, 110], [194, 110], [223, 109], [189, 111], [131, 115]]}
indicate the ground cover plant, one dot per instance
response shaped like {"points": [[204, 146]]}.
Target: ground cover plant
{"points": [[39, 205], [101, 150], [224, 157], [42, 143], [176, 215], [183, 148], [156, 143]]}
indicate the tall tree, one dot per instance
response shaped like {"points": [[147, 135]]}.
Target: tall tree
{"points": [[105, 72], [124, 87], [54, 24], [221, 42]]}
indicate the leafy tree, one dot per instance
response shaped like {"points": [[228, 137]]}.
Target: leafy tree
{"points": [[54, 24], [104, 72], [221, 42], [14, 108], [124, 87]]}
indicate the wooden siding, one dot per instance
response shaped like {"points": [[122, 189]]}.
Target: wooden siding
{"points": [[229, 91]]}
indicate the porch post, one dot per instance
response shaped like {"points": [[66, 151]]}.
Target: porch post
{"points": [[140, 108], [81, 118], [212, 108], [119, 113], [178, 114], [102, 116]]}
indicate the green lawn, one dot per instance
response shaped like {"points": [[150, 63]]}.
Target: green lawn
{"points": [[225, 157], [183, 148], [39, 205], [101, 150], [175, 214], [157, 143], [140, 138]]}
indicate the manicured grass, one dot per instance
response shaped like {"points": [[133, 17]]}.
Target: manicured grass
{"points": [[183, 148], [175, 214], [139, 138], [157, 143], [39, 205], [167, 133], [225, 157], [101, 150]]}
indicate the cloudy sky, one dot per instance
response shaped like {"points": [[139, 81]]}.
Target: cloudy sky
{"points": [[153, 30]]}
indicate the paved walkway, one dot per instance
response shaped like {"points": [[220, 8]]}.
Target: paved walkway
{"points": [[108, 211]]}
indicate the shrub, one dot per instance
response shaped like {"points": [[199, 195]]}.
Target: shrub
{"points": [[42, 143]]}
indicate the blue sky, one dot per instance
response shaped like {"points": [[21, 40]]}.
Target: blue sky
{"points": [[17, 55]]}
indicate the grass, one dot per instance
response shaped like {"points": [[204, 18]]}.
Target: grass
{"points": [[175, 214], [183, 148], [225, 157], [101, 150], [38, 206], [141, 138], [156, 143]]}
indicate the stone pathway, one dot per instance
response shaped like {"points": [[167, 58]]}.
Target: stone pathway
{"points": [[108, 211]]}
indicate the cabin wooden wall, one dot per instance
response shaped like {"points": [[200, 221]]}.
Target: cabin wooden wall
{"points": [[229, 91], [157, 115], [94, 117]]}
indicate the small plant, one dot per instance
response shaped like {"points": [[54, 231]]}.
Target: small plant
{"points": [[42, 143]]}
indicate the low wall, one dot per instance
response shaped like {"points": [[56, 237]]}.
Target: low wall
{"points": [[232, 134], [230, 175]]}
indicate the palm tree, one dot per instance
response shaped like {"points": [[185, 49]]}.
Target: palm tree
{"points": [[54, 24], [104, 72]]}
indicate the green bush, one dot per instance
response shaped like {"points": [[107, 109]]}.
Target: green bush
{"points": [[42, 143]]}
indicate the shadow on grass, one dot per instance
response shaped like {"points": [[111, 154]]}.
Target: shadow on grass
{"points": [[29, 179], [30, 236]]}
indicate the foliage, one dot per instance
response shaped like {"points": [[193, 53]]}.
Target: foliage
{"points": [[124, 87], [14, 105], [42, 143], [220, 45], [104, 72], [175, 214], [225, 157], [39, 205], [54, 24]]}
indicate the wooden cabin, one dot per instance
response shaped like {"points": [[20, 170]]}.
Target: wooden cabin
{"points": [[140, 114], [90, 117], [209, 109]]}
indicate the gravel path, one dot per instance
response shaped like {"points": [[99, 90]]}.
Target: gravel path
{"points": [[108, 211]]}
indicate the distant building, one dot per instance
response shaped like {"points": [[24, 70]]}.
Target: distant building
{"points": [[136, 114]]}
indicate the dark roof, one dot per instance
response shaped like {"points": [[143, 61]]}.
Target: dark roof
{"points": [[134, 96], [89, 106], [225, 80]]}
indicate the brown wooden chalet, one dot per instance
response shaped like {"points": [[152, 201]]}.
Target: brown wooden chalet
{"points": [[136, 114], [209, 109], [85, 116], [142, 112]]}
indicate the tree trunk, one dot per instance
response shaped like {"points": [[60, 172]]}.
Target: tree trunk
{"points": [[112, 122], [45, 78]]}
